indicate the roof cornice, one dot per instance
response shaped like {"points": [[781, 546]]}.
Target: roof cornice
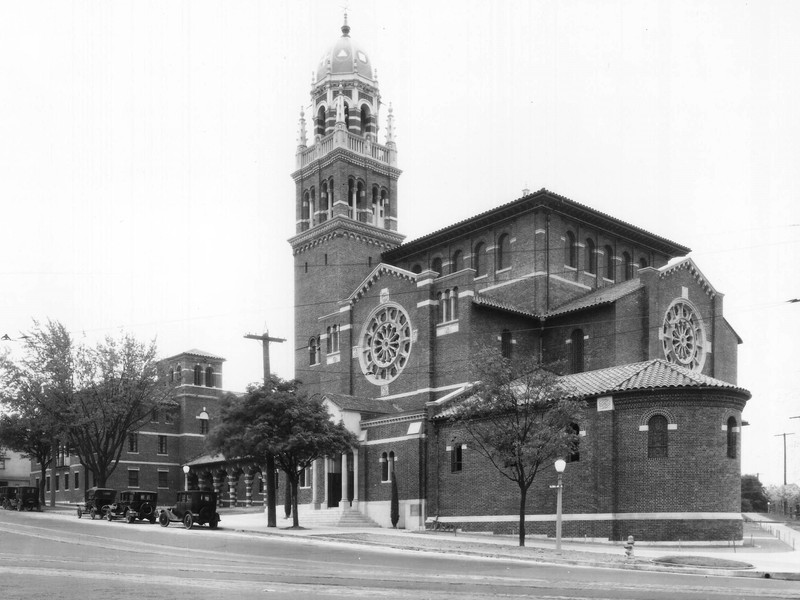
{"points": [[340, 226]]}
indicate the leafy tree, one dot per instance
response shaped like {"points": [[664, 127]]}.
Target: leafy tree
{"points": [[518, 416], [754, 496], [784, 496], [22, 433], [395, 502], [281, 422], [89, 398]]}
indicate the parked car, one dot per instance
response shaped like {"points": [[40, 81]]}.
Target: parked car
{"points": [[132, 505], [28, 498], [97, 502], [193, 507], [8, 497]]}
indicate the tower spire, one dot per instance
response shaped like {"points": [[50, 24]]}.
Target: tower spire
{"points": [[345, 27]]}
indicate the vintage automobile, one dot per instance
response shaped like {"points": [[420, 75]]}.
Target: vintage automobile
{"points": [[8, 497], [98, 500], [193, 507], [28, 498], [132, 505]]}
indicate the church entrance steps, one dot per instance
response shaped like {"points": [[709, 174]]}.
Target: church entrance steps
{"points": [[334, 517]]}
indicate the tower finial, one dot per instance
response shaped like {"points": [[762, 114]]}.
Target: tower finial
{"points": [[345, 27]]}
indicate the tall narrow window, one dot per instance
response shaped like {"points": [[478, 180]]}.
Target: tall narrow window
{"points": [[731, 431], [576, 351], [627, 266], [609, 263], [198, 374], [591, 257], [642, 263], [391, 465], [313, 351], [575, 451], [209, 376], [456, 262], [506, 344], [133, 442], [436, 265], [162, 444], [570, 250], [335, 338], [440, 308], [504, 252], [133, 478], [179, 374], [456, 458], [384, 467], [328, 340], [454, 304], [364, 119], [657, 443], [478, 261]]}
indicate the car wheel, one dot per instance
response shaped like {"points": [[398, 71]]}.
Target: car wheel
{"points": [[163, 519], [152, 520], [93, 513], [188, 520], [129, 517], [213, 523], [109, 518]]}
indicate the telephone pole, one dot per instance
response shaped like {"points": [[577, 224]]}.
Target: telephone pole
{"points": [[272, 519], [784, 463]]}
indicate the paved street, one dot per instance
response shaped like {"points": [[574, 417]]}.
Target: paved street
{"points": [[56, 555]]}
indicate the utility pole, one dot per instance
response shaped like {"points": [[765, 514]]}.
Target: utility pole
{"points": [[784, 463], [272, 519]]}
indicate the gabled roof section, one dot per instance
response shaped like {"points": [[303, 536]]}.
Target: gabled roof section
{"points": [[375, 406], [604, 295], [378, 272], [544, 200], [650, 375], [688, 265]]}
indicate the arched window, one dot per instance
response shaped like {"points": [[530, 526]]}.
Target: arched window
{"points": [[506, 344], [570, 250], [391, 465], [334, 338], [171, 375], [417, 268], [504, 252], [591, 257], [609, 263], [328, 340], [627, 266], [444, 309], [364, 119], [209, 376], [456, 262], [179, 373], [439, 308], [198, 374], [320, 124], [657, 443], [436, 265], [643, 263], [576, 351], [346, 116], [478, 261], [575, 451], [351, 197], [312, 206], [454, 304], [731, 431], [313, 351], [387, 466]]}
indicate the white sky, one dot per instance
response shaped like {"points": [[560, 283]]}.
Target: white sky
{"points": [[147, 146]]}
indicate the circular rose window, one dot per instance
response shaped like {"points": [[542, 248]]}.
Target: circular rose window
{"points": [[682, 335], [385, 343]]}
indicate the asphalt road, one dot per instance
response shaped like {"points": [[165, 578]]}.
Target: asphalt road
{"points": [[58, 556]]}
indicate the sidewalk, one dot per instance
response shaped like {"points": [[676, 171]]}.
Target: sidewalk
{"points": [[767, 557]]}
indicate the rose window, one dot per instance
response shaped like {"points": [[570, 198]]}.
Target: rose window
{"points": [[683, 337], [385, 344]]}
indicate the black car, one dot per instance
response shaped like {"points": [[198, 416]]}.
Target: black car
{"points": [[98, 501], [192, 507], [132, 505], [28, 498], [8, 497]]}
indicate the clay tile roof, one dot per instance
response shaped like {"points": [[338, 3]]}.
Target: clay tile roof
{"points": [[604, 295], [358, 404], [480, 299], [199, 353]]}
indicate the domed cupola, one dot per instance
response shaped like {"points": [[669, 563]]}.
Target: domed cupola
{"points": [[346, 58]]}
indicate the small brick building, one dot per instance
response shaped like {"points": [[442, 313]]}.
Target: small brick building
{"points": [[387, 333]]}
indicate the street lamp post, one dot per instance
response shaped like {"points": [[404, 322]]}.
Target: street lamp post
{"points": [[185, 478], [560, 465]]}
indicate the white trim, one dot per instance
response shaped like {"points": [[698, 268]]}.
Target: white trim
{"points": [[504, 270], [142, 462], [466, 293], [672, 426], [446, 328], [424, 303], [575, 283], [345, 308], [456, 386], [424, 282], [652, 516], [175, 435], [510, 281]]}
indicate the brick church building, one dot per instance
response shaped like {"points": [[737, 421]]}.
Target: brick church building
{"points": [[387, 330]]}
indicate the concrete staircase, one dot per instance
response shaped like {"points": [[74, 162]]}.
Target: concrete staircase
{"points": [[334, 517]]}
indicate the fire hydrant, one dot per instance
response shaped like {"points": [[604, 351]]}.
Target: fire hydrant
{"points": [[629, 547]]}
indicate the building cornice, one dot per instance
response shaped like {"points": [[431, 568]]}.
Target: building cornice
{"points": [[340, 226]]}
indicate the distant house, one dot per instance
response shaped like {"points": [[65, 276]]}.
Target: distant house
{"points": [[14, 468]]}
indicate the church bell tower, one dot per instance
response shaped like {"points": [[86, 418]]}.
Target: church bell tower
{"points": [[345, 199]]}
